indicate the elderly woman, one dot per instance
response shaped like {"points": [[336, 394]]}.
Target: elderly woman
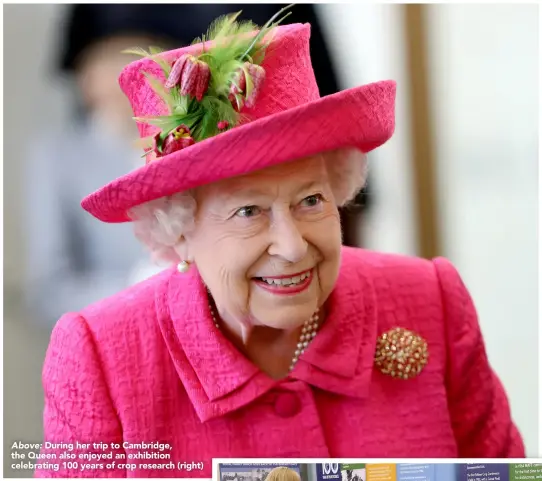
{"points": [[267, 338]]}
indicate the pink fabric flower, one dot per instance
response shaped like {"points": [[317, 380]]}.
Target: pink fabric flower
{"points": [[178, 139], [202, 81], [176, 71], [191, 74], [239, 83], [257, 74], [238, 89]]}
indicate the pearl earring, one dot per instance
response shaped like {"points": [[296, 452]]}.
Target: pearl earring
{"points": [[183, 266]]}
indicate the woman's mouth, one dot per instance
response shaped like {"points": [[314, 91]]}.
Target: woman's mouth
{"points": [[286, 284]]}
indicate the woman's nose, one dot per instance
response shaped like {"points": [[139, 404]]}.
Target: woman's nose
{"points": [[287, 241]]}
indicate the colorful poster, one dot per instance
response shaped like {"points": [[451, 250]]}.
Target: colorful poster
{"points": [[484, 472], [446, 472], [328, 472], [250, 472], [525, 472], [380, 472], [353, 472], [416, 472]]}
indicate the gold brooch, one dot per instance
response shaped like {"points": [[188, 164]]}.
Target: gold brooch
{"points": [[401, 353]]}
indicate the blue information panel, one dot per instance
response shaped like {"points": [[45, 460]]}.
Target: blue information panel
{"points": [[251, 472], [484, 472], [328, 472], [416, 472], [446, 472]]}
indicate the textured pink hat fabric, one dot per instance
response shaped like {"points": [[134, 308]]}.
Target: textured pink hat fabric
{"points": [[290, 121]]}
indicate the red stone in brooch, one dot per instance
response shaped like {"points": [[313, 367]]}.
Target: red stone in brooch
{"points": [[401, 353]]}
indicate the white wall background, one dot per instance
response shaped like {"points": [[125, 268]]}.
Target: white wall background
{"points": [[366, 40], [484, 62], [484, 68], [485, 86]]}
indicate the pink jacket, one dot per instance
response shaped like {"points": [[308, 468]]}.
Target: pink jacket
{"points": [[148, 365]]}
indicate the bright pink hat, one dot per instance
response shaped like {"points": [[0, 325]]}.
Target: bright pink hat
{"points": [[288, 120]]}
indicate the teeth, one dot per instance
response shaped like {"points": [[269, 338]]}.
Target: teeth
{"points": [[287, 281]]}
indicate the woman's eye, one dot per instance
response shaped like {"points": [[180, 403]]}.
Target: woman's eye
{"points": [[312, 200], [248, 211]]}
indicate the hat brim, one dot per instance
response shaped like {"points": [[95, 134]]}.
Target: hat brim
{"points": [[361, 117]]}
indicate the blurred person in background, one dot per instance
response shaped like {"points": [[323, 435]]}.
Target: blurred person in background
{"points": [[283, 474], [72, 260]]}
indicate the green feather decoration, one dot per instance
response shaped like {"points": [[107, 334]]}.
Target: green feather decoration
{"points": [[154, 53], [233, 44], [166, 95]]}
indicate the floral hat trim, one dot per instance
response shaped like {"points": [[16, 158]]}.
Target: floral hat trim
{"points": [[205, 93]]}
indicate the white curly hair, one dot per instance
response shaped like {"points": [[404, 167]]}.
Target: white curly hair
{"points": [[160, 223]]}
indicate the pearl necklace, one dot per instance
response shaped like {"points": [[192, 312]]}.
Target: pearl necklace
{"points": [[308, 333]]}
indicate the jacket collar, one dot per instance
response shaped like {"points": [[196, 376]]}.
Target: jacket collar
{"points": [[218, 379], [340, 358]]}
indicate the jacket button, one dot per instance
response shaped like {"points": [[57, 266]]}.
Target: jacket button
{"points": [[287, 404]]}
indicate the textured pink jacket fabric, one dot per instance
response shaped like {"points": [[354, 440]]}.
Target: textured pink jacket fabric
{"points": [[148, 365]]}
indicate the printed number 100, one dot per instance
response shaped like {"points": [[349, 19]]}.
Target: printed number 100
{"points": [[71, 465]]}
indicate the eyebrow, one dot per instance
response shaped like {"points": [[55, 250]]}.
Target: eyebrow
{"points": [[310, 185], [257, 192]]}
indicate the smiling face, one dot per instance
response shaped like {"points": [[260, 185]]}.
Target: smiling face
{"points": [[268, 244]]}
